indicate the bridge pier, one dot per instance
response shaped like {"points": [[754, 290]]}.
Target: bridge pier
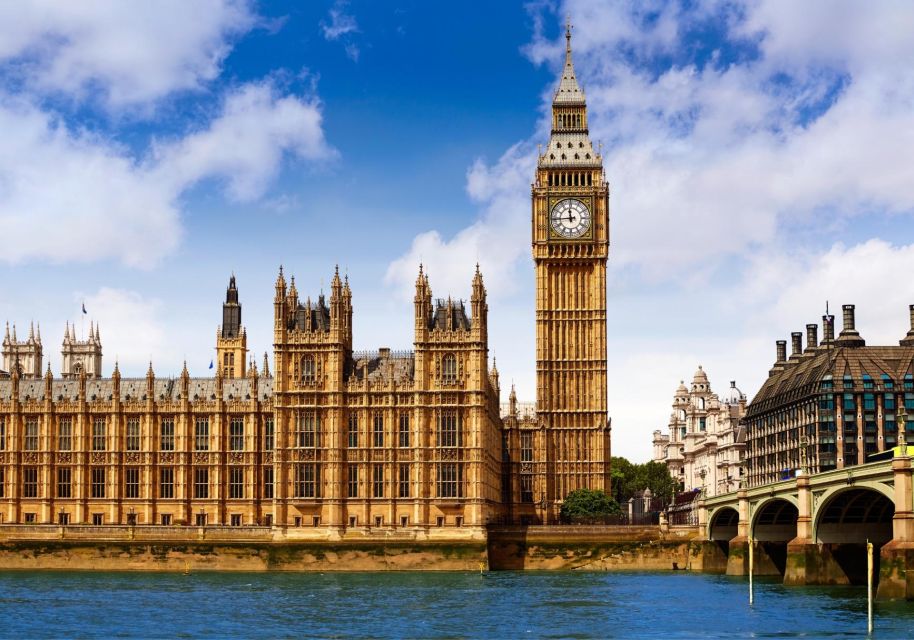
{"points": [[802, 554], [896, 558]]}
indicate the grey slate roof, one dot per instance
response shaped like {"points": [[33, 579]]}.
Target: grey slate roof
{"points": [[375, 366]]}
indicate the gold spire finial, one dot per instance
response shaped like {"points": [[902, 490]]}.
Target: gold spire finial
{"points": [[568, 34]]}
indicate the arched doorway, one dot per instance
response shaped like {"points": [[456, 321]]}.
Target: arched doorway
{"points": [[773, 526], [844, 523]]}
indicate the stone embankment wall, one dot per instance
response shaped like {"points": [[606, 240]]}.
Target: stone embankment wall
{"points": [[595, 548], [235, 549], [263, 549]]}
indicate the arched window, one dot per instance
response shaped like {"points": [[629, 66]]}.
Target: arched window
{"points": [[701, 404], [682, 414], [449, 369], [307, 369]]}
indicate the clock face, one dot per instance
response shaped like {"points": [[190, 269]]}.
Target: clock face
{"points": [[570, 218]]}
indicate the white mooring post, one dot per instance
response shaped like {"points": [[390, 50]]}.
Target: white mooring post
{"points": [[751, 563], [869, 587]]}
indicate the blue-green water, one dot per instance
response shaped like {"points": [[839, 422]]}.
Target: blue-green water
{"points": [[431, 605]]}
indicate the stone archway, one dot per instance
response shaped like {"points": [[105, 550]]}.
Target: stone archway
{"points": [[722, 528], [844, 521], [774, 524]]}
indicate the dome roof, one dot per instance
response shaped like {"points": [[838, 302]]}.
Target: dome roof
{"points": [[682, 390], [733, 394], [700, 376]]}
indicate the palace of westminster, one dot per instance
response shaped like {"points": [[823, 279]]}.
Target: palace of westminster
{"points": [[334, 438]]}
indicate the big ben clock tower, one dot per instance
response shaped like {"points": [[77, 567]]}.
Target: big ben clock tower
{"points": [[570, 246]]}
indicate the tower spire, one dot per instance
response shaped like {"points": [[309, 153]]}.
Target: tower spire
{"points": [[569, 91]]}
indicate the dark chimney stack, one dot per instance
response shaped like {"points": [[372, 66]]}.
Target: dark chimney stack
{"points": [[812, 338], [848, 317], [781, 351], [828, 330], [849, 336], [796, 345]]}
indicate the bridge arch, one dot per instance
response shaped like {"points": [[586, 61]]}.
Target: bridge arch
{"points": [[774, 524], [854, 514], [774, 519], [723, 524]]}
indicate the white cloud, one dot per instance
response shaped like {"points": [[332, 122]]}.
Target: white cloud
{"points": [[69, 196], [342, 25], [245, 145], [496, 240], [121, 53], [131, 328]]}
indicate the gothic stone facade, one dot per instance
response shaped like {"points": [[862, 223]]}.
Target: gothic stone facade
{"points": [[338, 439]]}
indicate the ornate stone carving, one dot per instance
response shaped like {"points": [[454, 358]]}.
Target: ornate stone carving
{"points": [[132, 456], [201, 457], [99, 457], [166, 458], [30, 458], [236, 456]]}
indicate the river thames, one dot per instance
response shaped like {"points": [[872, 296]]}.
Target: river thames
{"points": [[431, 605]]}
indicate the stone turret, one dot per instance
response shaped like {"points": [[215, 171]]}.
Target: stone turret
{"points": [[26, 355], [231, 336], [81, 355]]}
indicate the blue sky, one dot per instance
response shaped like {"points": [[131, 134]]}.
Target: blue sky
{"points": [[758, 154]]}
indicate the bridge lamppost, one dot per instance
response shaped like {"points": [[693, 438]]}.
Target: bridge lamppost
{"points": [[902, 439]]}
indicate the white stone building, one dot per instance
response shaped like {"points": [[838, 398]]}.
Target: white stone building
{"points": [[706, 446]]}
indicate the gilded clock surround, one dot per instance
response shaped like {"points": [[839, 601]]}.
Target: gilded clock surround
{"points": [[587, 202]]}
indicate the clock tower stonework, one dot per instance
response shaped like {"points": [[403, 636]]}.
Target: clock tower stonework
{"points": [[570, 219]]}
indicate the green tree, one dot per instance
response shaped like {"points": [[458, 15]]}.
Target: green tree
{"points": [[628, 478], [588, 503]]}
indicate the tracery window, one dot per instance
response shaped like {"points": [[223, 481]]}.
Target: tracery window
{"points": [[201, 434], [64, 434], [133, 434], [450, 480], [526, 446], [31, 434], [98, 434], [236, 482], [449, 369], [167, 482], [307, 368], [306, 426], [449, 429], [404, 430], [378, 431], [236, 434], [168, 434]]}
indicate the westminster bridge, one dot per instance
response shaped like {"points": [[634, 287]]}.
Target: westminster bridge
{"points": [[813, 529]]}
